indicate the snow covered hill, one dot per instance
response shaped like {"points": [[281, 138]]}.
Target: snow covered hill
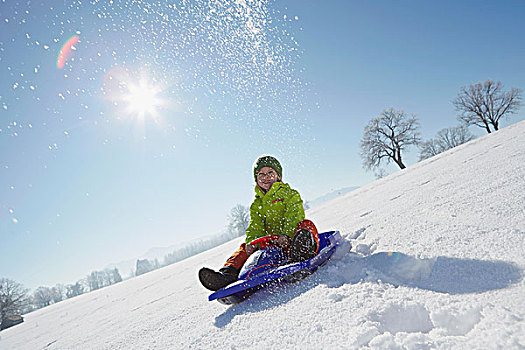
{"points": [[440, 265], [331, 196]]}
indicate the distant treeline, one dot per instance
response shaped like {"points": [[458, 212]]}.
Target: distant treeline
{"points": [[199, 247], [16, 300]]}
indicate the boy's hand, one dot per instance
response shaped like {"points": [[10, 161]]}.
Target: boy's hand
{"points": [[283, 242], [250, 249]]}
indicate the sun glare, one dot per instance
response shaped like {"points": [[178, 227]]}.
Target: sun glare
{"points": [[135, 94], [143, 100]]}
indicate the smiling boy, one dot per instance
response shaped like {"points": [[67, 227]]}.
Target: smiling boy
{"points": [[276, 210]]}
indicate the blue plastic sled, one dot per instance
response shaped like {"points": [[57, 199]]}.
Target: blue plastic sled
{"points": [[268, 266]]}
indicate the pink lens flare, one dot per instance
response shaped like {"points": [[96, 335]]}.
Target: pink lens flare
{"points": [[66, 51]]}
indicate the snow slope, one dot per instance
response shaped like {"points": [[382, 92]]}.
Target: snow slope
{"points": [[440, 265], [331, 196]]}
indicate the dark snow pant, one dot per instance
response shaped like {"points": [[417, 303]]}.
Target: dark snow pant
{"points": [[240, 256]]}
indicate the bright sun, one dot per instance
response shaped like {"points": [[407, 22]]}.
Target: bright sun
{"points": [[135, 94], [142, 99]]}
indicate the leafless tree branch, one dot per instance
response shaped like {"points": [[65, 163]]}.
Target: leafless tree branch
{"points": [[446, 139], [484, 104], [387, 136]]}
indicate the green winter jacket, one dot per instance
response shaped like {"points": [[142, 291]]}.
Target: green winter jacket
{"points": [[275, 213]]}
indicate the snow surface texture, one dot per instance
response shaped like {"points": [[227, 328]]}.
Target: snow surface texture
{"points": [[437, 263]]}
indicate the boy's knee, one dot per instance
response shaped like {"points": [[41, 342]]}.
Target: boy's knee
{"points": [[310, 226]]}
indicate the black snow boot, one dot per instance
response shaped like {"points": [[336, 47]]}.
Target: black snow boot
{"points": [[214, 280], [303, 246]]}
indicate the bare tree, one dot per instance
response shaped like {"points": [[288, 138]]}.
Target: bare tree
{"points": [[96, 280], [484, 104], [380, 173], [306, 205], [29, 305], [13, 298], [42, 297], [387, 136], [454, 136], [239, 219], [428, 149], [156, 264], [115, 276], [143, 266], [446, 139], [111, 276], [58, 293], [74, 289]]}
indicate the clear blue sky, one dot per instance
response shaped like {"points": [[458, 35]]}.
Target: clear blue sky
{"points": [[88, 178]]}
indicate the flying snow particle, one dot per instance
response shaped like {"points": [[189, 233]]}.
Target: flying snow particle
{"points": [[15, 220]]}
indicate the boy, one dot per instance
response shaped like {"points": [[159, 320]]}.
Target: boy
{"points": [[276, 210]]}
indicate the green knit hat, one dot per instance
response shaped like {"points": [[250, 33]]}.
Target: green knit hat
{"points": [[267, 161]]}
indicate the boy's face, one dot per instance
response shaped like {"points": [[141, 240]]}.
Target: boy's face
{"points": [[266, 177]]}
